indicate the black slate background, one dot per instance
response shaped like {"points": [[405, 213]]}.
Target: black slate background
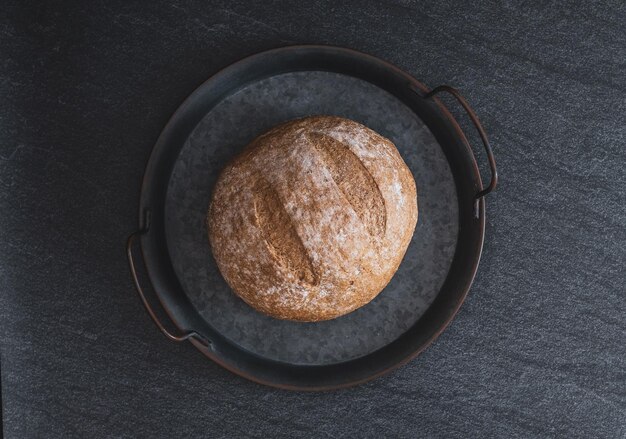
{"points": [[538, 349]]}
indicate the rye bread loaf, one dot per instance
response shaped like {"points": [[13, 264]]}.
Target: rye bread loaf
{"points": [[313, 218]]}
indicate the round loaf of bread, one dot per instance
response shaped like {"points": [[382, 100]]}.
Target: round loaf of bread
{"points": [[313, 218]]}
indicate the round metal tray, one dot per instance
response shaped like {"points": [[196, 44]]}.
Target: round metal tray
{"points": [[226, 113]]}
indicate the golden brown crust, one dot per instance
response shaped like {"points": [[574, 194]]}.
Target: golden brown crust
{"points": [[312, 220]]}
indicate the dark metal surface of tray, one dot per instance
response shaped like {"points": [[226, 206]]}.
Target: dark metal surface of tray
{"points": [[220, 118]]}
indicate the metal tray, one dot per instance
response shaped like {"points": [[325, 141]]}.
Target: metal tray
{"points": [[216, 122]]}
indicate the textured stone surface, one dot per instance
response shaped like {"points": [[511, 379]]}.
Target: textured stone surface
{"points": [[536, 351]]}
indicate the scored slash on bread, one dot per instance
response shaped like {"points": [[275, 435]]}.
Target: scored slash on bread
{"points": [[354, 181], [279, 233]]}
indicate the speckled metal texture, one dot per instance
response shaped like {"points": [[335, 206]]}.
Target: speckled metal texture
{"points": [[232, 124]]}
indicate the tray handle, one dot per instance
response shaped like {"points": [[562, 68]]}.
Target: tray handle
{"points": [[144, 300], [472, 115]]}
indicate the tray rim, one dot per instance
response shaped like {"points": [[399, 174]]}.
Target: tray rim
{"points": [[411, 82]]}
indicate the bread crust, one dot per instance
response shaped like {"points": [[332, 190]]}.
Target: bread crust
{"points": [[313, 218]]}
